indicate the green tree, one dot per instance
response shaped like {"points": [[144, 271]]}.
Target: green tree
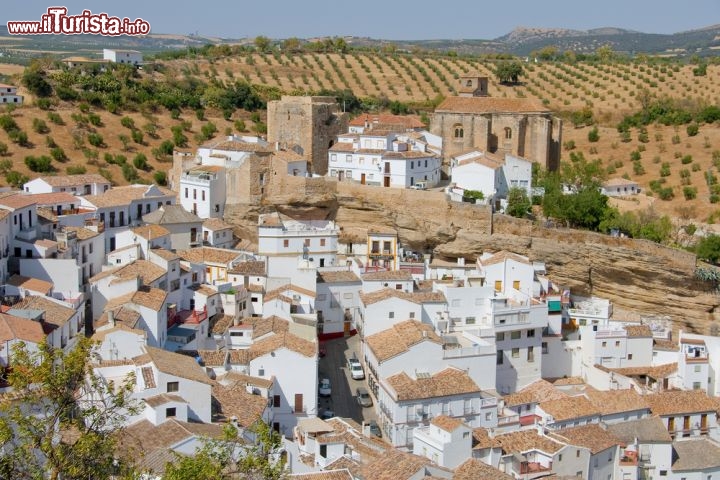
{"points": [[16, 179], [262, 43], [291, 45], [34, 80], [227, 458], [509, 72], [518, 202], [593, 135], [66, 438], [708, 248]]}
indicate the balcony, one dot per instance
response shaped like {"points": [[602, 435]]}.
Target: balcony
{"points": [[629, 458], [529, 468]]}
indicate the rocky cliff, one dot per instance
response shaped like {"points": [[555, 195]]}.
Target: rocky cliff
{"points": [[635, 275]]}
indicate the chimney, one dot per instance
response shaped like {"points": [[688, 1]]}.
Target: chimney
{"points": [[111, 317], [236, 322]]}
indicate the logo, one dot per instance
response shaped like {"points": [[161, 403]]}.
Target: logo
{"points": [[57, 22]]}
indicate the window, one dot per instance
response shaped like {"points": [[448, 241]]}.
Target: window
{"points": [[577, 453], [629, 356], [508, 133], [391, 314], [697, 368], [276, 401], [500, 357], [531, 333], [458, 131], [203, 195], [333, 158], [470, 320], [697, 385], [531, 354], [186, 192], [488, 416], [425, 163], [515, 335], [516, 284], [194, 194], [663, 473], [170, 412], [322, 242], [604, 344], [516, 353], [173, 387], [498, 285], [617, 343], [286, 243], [544, 347], [499, 337], [348, 158], [412, 314], [560, 458]]}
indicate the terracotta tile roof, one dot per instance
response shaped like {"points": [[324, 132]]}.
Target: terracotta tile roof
{"points": [[147, 271], [474, 469], [408, 154], [119, 196], [29, 283], [679, 402], [503, 255], [272, 294], [569, 407], [55, 198], [280, 340], [238, 146], [449, 424], [617, 182], [100, 335], [527, 440], [150, 231], [162, 399], [152, 298], [417, 297], [399, 338], [222, 323], [568, 381], [123, 316], [592, 436], [347, 463], [209, 255], [82, 233], [263, 325], [338, 277], [239, 357], [342, 147], [18, 328], [287, 156], [408, 121], [254, 268], [171, 215], [696, 455], [253, 288], [148, 377], [403, 275], [609, 402], [209, 358], [484, 160], [656, 371], [651, 429], [638, 331], [338, 474], [17, 200], [235, 401], [445, 383], [164, 254], [536, 392], [236, 378], [203, 289], [74, 180], [173, 364], [490, 105], [5, 213], [395, 465], [482, 439], [55, 314], [215, 224]]}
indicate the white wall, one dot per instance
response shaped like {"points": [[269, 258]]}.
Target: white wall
{"points": [[64, 274]]}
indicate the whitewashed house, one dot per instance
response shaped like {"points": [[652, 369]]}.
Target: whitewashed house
{"points": [[85, 184], [596, 446], [446, 441], [185, 227], [337, 302], [129, 57], [9, 95], [648, 446], [619, 187], [15, 330], [216, 233], [202, 191]]}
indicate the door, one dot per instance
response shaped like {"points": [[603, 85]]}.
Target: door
{"points": [[341, 175], [298, 403], [387, 182], [362, 179], [346, 327]]}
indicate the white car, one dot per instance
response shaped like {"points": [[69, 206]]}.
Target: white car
{"points": [[356, 369], [324, 388]]}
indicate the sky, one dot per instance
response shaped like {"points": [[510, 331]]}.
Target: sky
{"points": [[387, 19]]}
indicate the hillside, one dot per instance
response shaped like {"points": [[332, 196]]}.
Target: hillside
{"points": [[609, 90]]}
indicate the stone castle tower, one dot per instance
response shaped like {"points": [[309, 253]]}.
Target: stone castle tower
{"points": [[517, 126], [311, 123]]}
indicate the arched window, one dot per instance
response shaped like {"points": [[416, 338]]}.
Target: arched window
{"points": [[508, 133], [458, 131], [469, 83]]}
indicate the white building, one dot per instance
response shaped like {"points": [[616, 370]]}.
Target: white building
{"points": [[185, 227], [14, 330], [489, 174], [446, 441], [337, 302], [383, 159], [648, 446], [130, 57], [619, 187], [382, 249], [86, 246], [86, 184], [9, 95], [202, 191], [216, 233]]}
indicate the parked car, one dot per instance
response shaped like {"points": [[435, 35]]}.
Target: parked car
{"points": [[374, 429], [363, 397], [324, 388], [419, 186], [356, 370], [327, 413]]}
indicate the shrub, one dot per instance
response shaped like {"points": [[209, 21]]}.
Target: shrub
{"points": [[58, 154], [95, 119], [137, 137], [19, 137], [666, 193], [634, 155], [127, 122], [174, 113], [643, 137], [43, 103], [625, 137], [690, 193], [16, 179], [39, 164], [240, 126], [55, 118], [140, 162], [675, 139], [3, 149], [166, 147], [160, 177], [593, 135], [107, 174], [569, 145], [696, 167], [76, 170], [638, 168], [39, 126], [692, 129], [95, 139], [714, 198], [665, 169], [687, 159], [179, 139], [129, 172], [200, 114]]}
